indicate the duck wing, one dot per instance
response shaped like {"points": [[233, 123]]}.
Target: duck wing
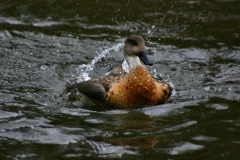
{"points": [[117, 70], [96, 88]]}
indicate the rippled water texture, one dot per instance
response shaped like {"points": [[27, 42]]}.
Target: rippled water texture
{"points": [[46, 44]]}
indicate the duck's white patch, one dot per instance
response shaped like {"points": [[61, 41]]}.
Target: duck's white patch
{"points": [[125, 66], [133, 61]]}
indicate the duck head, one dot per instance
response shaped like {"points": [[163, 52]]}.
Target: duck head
{"points": [[134, 51]]}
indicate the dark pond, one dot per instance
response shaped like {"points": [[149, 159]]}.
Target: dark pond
{"points": [[45, 44]]}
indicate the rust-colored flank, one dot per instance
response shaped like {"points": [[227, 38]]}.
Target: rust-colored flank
{"points": [[137, 88]]}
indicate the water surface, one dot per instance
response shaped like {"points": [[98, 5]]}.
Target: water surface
{"points": [[46, 44]]}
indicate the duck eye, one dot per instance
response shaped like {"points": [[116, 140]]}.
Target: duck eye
{"points": [[132, 41]]}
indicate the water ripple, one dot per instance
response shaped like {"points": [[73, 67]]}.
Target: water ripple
{"points": [[108, 150], [184, 147], [5, 114]]}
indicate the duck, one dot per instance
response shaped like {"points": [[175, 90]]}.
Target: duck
{"points": [[127, 89]]}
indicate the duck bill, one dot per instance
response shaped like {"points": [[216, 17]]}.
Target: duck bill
{"points": [[143, 57]]}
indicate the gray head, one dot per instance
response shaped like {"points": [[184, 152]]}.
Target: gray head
{"points": [[134, 49]]}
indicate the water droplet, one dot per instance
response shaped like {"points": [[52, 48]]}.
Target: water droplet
{"points": [[206, 88], [43, 67]]}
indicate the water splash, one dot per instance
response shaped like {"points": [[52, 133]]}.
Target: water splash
{"points": [[167, 79], [85, 68]]}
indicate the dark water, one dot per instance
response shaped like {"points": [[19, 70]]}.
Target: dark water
{"points": [[46, 44]]}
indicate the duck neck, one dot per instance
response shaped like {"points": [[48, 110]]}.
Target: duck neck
{"points": [[133, 62]]}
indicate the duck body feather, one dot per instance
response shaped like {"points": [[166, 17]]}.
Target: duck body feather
{"points": [[138, 88]]}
